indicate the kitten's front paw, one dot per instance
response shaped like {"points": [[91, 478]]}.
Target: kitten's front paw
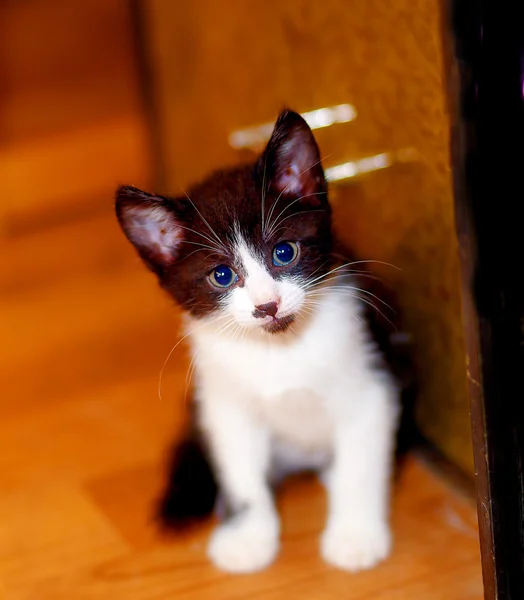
{"points": [[245, 544], [353, 546]]}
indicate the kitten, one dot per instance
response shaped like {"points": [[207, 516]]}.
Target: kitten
{"points": [[289, 375]]}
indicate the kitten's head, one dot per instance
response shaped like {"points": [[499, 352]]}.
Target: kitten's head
{"points": [[246, 242]]}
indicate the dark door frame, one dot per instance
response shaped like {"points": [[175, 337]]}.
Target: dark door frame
{"points": [[486, 68]]}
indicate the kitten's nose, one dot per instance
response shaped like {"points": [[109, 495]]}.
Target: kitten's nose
{"points": [[265, 310]]}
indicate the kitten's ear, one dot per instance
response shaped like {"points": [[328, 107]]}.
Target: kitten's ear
{"points": [[151, 225], [292, 158]]}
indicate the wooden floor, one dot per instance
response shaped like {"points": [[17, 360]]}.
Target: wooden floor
{"points": [[83, 432]]}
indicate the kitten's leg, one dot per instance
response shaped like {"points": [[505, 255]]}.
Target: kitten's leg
{"points": [[249, 539], [357, 534]]}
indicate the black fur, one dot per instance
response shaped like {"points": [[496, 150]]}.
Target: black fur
{"points": [[191, 491]]}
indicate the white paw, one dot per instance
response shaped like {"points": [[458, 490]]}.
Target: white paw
{"points": [[355, 546], [244, 545]]}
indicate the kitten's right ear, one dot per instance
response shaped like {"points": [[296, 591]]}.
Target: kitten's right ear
{"points": [[151, 225]]}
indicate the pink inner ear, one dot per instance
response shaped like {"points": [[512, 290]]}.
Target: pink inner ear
{"points": [[296, 164], [289, 182], [154, 231]]}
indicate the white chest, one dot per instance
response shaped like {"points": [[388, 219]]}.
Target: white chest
{"points": [[286, 382]]}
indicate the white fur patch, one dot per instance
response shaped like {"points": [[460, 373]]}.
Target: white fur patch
{"points": [[245, 544], [354, 546], [304, 398]]}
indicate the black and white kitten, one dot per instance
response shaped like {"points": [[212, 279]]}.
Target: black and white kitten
{"points": [[288, 373]]}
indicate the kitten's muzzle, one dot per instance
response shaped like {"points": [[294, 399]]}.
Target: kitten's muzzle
{"points": [[265, 310]]}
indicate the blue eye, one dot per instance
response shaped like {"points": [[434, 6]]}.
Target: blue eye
{"points": [[223, 276], [284, 253]]}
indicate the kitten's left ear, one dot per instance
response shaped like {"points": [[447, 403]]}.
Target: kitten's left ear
{"points": [[291, 160]]}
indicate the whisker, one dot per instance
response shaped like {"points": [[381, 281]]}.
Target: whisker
{"points": [[206, 237], [205, 220], [189, 374], [330, 272], [211, 241], [340, 289], [264, 194], [347, 258], [276, 222], [343, 272], [321, 266], [377, 262], [369, 303], [337, 276], [199, 244], [243, 332], [309, 308], [176, 346], [194, 252], [273, 232], [349, 264], [290, 184], [224, 329], [314, 303], [234, 332]]}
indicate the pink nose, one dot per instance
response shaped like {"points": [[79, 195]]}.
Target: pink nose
{"points": [[265, 310]]}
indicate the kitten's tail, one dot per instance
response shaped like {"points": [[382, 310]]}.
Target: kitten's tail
{"points": [[191, 489]]}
